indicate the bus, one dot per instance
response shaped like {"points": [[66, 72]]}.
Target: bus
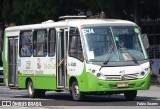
{"points": [[83, 56]]}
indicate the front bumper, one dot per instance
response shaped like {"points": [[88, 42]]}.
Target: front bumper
{"points": [[94, 84]]}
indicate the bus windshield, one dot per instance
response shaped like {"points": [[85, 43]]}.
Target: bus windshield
{"points": [[115, 43]]}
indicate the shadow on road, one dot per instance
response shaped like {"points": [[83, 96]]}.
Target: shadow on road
{"points": [[88, 98], [65, 99]]}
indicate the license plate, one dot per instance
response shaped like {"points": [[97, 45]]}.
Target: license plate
{"points": [[122, 85]]}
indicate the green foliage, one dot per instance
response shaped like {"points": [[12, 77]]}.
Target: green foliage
{"points": [[36, 11], [29, 11], [6, 8], [1, 5], [112, 8]]}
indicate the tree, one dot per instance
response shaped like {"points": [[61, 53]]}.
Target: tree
{"points": [[111, 8], [1, 5], [28, 11], [7, 11], [36, 11]]}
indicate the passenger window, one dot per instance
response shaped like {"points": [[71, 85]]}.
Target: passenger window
{"points": [[75, 46], [40, 43], [51, 42], [26, 43]]}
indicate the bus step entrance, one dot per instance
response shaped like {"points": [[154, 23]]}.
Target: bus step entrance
{"points": [[13, 86]]}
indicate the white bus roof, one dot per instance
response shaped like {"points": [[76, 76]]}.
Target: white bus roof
{"points": [[106, 22], [72, 17], [74, 23]]}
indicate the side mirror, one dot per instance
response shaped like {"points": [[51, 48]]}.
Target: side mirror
{"points": [[151, 61], [145, 40]]}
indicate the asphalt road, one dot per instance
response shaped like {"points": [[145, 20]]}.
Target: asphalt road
{"points": [[63, 100]]}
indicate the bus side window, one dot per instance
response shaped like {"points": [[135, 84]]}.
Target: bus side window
{"points": [[75, 46], [40, 43], [25, 43], [51, 42]]}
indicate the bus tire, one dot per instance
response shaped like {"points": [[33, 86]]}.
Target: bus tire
{"points": [[31, 91], [130, 95], [76, 94]]}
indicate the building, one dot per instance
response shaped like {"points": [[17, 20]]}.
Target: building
{"points": [[152, 28]]}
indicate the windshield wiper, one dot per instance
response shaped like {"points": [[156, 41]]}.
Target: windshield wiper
{"points": [[133, 58], [110, 52]]}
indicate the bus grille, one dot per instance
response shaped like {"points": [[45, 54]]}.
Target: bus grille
{"points": [[124, 77]]}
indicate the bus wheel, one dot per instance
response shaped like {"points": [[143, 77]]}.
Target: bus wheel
{"points": [[76, 94], [130, 95], [31, 91]]}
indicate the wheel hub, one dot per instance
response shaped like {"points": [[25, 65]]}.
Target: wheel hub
{"points": [[76, 90], [30, 89]]}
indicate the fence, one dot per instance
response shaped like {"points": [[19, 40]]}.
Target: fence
{"points": [[154, 51]]}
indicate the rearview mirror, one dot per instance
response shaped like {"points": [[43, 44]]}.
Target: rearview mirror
{"points": [[145, 40]]}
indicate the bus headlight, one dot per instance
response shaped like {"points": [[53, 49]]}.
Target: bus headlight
{"points": [[142, 73], [147, 69], [93, 71], [98, 75]]}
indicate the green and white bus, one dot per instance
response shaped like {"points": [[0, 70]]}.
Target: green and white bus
{"points": [[83, 56]]}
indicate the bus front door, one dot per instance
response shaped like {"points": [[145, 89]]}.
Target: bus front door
{"points": [[12, 61], [61, 72]]}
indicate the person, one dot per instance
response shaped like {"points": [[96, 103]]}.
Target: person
{"points": [[40, 51], [29, 50], [27, 39], [35, 51], [35, 48], [24, 50]]}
